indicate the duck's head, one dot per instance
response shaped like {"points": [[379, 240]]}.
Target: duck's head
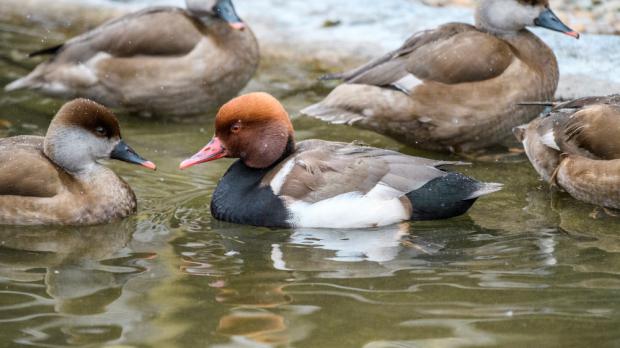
{"points": [[254, 127], [222, 9], [84, 132], [511, 16]]}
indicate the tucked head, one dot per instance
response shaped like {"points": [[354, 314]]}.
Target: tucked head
{"points": [[222, 9], [511, 16], [84, 132], [254, 127]]}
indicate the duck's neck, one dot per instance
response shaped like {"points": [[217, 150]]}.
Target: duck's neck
{"points": [[538, 56], [288, 150], [106, 192]]}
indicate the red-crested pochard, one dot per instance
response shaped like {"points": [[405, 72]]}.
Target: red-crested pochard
{"points": [[58, 180], [455, 88], [158, 61], [314, 183], [577, 147]]}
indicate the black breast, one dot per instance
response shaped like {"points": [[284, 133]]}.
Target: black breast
{"points": [[240, 198]]}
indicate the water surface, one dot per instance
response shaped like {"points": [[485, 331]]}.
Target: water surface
{"points": [[526, 266]]}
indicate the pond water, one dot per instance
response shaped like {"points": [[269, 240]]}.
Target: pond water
{"points": [[526, 266]]}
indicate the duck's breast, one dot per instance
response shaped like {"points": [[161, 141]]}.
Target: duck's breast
{"points": [[241, 198]]}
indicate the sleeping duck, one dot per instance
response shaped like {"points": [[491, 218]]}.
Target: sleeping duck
{"points": [[314, 183], [158, 61], [58, 180], [577, 147], [455, 88]]}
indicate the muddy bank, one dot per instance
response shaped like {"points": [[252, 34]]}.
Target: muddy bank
{"points": [[333, 35]]}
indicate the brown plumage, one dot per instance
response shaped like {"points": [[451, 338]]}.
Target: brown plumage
{"points": [[57, 180], [577, 147], [454, 88], [163, 61]]}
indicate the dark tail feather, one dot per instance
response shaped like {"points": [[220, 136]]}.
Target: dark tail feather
{"points": [[329, 77], [448, 196], [49, 50], [537, 103]]}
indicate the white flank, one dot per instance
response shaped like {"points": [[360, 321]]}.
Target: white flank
{"points": [[548, 139], [349, 210], [278, 181], [85, 74], [407, 83]]}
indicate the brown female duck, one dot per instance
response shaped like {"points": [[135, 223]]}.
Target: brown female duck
{"points": [[457, 87], [58, 180], [158, 61], [577, 147], [316, 183]]}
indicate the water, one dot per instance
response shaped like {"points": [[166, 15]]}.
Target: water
{"points": [[526, 266]]}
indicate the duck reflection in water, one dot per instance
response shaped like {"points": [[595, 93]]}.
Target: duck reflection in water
{"points": [[353, 253], [67, 263], [265, 307]]}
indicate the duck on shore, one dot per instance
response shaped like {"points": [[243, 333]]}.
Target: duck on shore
{"points": [[58, 180], [314, 183], [456, 88], [576, 146], [161, 61]]}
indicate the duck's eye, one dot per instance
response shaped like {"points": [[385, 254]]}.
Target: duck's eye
{"points": [[235, 128], [101, 131]]}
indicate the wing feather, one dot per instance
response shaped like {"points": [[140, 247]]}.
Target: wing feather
{"points": [[442, 55], [324, 170], [24, 169], [150, 32]]}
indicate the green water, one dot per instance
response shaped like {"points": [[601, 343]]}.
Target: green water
{"points": [[526, 266]]}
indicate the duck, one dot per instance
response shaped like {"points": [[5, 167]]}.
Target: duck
{"points": [[279, 183], [198, 59], [58, 179], [455, 88], [576, 147]]}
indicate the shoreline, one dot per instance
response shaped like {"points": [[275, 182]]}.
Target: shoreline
{"points": [[341, 35]]}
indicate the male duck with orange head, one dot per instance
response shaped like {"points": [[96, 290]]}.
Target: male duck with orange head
{"points": [[314, 183]]}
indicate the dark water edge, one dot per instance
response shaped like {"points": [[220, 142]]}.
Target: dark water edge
{"points": [[526, 266]]}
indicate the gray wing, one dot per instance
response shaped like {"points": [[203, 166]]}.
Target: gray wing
{"points": [[24, 169], [453, 53], [321, 170], [150, 32]]}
